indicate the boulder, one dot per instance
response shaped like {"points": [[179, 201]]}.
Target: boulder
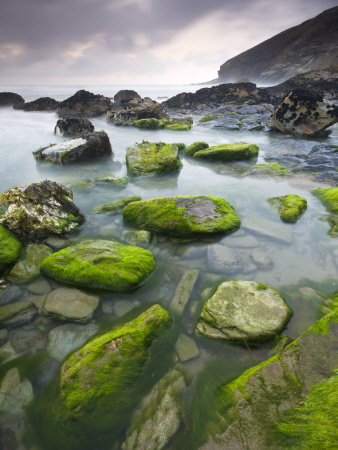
{"points": [[229, 152], [28, 268], [40, 104], [100, 265], [170, 123], [117, 206], [10, 99], [87, 147], [329, 198], [73, 127], [195, 147], [243, 311], [304, 113], [151, 158], [290, 207], [10, 247], [39, 210], [126, 96], [69, 305], [14, 393], [83, 104], [159, 415], [183, 216]]}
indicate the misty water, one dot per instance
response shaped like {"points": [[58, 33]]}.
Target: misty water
{"points": [[303, 255]]}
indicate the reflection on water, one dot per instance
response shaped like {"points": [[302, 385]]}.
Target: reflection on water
{"points": [[281, 255]]}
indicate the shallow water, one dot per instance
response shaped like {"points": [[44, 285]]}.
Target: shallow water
{"points": [[301, 254]]}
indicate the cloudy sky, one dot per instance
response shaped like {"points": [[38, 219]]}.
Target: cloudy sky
{"points": [[135, 41]]}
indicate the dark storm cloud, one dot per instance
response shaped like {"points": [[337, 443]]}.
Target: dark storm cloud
{"points": [[53, 37]]}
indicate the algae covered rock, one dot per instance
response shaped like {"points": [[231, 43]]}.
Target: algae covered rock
{"points": [[170, 123], [100, 264], [28, 267], [10, 248], [266, 170], [183, 216], [101, 377], [229, 152], [115, 182], [195, 147], [159, 415], [148, 158], [39, 210], [329, 198], [243, 310], [290, 207], [117, 206]]}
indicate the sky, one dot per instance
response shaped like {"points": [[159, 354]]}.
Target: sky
{"points": [[136, 41]]}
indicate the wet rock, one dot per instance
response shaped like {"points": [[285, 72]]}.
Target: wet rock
{"points": [[137, 237], [266, 170], [17, 313], [70, 305], [151, 158], [39, 210], [65, 339], [245, 241], [57, 243], [73, 127], [229, 152], [40, 104], [183, 291], [83, 104], [108, 265], [267, 228], [14, 393], [9, 294], [186, 348], [7, 352], [10, 99], [10, 247], [40, 286], [304, 113], [261, 259], [224, 260], [159, 415], [329, 198], [114, 182], [243, 310], [290, 207], [28, 267], [48, 370], [27, 338], [195, 147], [116, 207], [281, 342], [183, 216], [122, 307], [3, 336], [169, 123], [87, 147]]}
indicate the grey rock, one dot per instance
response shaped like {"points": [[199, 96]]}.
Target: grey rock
{"points": [[83, 104], [10, 99], [183, 291], [73, 127], [224, 260], [267, 228], [40, 286], [186, 348], [40, 104], [28, 267], [261, 259], [14, 393], [10, 293], [27, 338], [17, 313]]}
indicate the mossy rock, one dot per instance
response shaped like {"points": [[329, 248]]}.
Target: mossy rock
{"points": [[195, 147], [229, 152], [10, 248], [183, 216], [169, 123], [151, 158], [100, 264], [209, 117], [118, 182], [266, 169], [177, 127], [98, 382], [290, 207], [148, 124], [329, 198], [115, 207]]}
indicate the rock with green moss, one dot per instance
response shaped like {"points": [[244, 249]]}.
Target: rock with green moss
{"points": [[100, 264], [243, 311], [209, 117], [159, 415], [290, 207], [28, 268], [195, 147], [137, 237], [115, 207], [177, 126], [266, 170], [169, 123], [148, 124], [102, 376], [151, 158], [229, 152], [116, 182], [264, 396], [180, 146], [183, 216], [10, 248], [329, 198], [40, 210]]}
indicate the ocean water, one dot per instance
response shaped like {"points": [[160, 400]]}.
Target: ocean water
{"points": [[308, 257]]}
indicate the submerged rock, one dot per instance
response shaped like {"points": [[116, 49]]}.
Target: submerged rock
{"points": [[186, 348], [73, 127], [117, 206], [14, 393], [183, 216], [151, 158], [159, 415], [266, 170], [183, 291], [88, 146], [243, 311], [137, 237], [304, 113], [100, 265], [229, 152], [224, 260], [17, 313], [39, 210], [83, 104], [115, 182], [40, 104], [290, 207], [28, 268], [329, 198], [10, 247]]}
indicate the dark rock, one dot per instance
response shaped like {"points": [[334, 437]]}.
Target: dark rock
{"points": [[83, 104], [9, 294], [73, 127], [10, 99], [126, 95], [40, 104]]}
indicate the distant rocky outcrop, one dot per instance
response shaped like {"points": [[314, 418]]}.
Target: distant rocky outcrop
{"points": [[40, 104], [10, 99], [308, 46], [73, 127], [83, 104]]}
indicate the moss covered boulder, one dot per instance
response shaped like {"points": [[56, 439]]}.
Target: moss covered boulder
{"points": [[151, 158], [10, 248], [329, 198], [169, 123], [243, 311], [100, 264], [98, 382], [195, 147], [290, 207], [183, 216], [229, 152], [265, 397], [39, 210]]}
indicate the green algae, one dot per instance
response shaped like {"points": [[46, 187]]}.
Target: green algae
{"points": [[100, 264], [195, 147], [229, 152], [10, 248], [272, 169], [170, 123], [183, 216], [290, 207], [149, 124], [115, 207], [177, 126], [209, 117], [329, 198], [114, 181]]}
